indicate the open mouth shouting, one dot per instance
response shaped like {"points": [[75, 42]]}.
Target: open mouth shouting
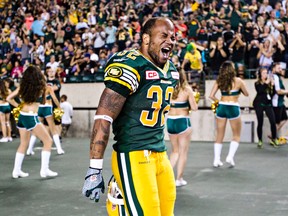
{"points": [[165, 51]]}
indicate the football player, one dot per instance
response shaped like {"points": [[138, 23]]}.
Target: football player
{"points": [[139, 84]]}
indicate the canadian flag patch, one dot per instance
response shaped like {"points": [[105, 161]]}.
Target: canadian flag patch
{"points": [[175, 75], [152, 75]]}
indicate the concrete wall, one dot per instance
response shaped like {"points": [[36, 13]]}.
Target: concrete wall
{"points": [[87, 95]]}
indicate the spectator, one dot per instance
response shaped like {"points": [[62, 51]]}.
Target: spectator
{"points": [[37, 62], [66, 61], [202, 22], [235, 16], [38, 51], [26, 50], [81, 25], [186, 7], [91, 17], [265, 7], [278, 97], [176, 62], [253, 49], [29, 19], [237, 51], [18, 49], [114, 50], [218, 54], [260, 23], [265, 53], [69, 31], [87, 38], [102, 59], [279, 49], [13, 36], [4, 73], [122, 35], [193, 60], [53, 64], [59, 35], [37, 26], [111, 32], [182, 29], [228, 34], [49, 32], [17, 70], [60, 73], [88, 67], [265, 89], [67, 116], [202, 35], [93, 56], [75, 62], [273, 24], [45, 15], [100, 37], [77, 40], [285, 33], [72, 16]]}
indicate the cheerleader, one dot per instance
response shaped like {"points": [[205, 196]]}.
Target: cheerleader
{"points": [[5, 113], [46, 111], [179, 125], [32, 87], [228, 109]]}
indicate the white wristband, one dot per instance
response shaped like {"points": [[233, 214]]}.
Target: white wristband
{"points": [[96, 163], [105, 117]]}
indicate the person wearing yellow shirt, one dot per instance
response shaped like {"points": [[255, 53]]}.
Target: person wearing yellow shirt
{"points": [[192, 58], [73, 18], [194, 6]]}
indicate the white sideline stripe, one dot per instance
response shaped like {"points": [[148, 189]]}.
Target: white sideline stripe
{"points": [[127, 185]]}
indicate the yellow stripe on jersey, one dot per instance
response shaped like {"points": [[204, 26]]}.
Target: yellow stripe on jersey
{"points": [[124, 66], [119, 81], [166, 67]]}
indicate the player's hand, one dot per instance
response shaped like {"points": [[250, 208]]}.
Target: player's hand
{"points": [[94, 184]]}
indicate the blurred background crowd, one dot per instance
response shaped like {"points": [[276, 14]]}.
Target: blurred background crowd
{"points": [[77, 37]]}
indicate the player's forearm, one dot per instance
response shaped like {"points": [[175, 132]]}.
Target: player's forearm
{"points": [[99, 138], [110, 105]]}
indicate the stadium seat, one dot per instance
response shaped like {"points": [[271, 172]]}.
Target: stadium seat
{"points": [[88, 78], [99, 77], [73, 79]]}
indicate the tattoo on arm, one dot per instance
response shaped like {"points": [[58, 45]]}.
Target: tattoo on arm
{"points": [[110, 104], [99, 139], [112, 101]]}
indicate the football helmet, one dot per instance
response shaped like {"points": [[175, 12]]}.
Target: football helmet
{"points": [[115, 201]]}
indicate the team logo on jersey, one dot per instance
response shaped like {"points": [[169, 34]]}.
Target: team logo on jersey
{"points": [[152, 75], [175, 74], [115, 72]]}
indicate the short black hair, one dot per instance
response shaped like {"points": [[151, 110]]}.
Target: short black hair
{"points": [[149, 25], [64, 97]]}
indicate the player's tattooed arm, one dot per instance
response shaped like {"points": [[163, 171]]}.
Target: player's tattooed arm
{"points": [[110, 104]]}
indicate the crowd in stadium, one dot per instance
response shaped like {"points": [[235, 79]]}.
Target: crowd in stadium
{"points": [[77, 37]]}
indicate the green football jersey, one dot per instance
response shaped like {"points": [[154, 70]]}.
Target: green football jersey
{"points": [[147, 88]]}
